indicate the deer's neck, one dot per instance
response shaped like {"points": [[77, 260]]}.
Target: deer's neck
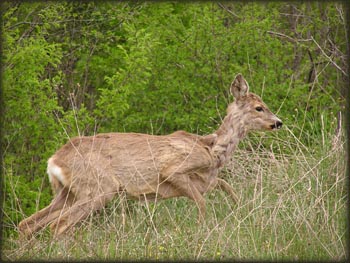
{"points": [[229, 134]]}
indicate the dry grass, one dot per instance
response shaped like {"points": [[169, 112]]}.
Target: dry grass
{"points": [[292, 206]]}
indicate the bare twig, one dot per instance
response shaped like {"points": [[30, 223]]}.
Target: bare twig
{"points": [[341, 12], [329, 58], [58, 22], [288, 37], [295, 15], [228, 10]]}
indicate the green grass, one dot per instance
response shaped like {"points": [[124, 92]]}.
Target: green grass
{"points": [[292, 206]]}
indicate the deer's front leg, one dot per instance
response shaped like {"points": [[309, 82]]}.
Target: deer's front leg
{"points": [[227, 188], [185, 187]]}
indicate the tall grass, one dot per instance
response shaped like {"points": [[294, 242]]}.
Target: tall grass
{"points": [[292, 206]]}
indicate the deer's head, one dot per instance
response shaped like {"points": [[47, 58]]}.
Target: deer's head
{"points": [[253, 112]]}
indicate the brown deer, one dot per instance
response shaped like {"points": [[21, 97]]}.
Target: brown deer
{"points": [[88, 172]]}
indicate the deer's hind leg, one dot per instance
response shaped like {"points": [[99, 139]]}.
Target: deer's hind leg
{"points": [[79, 211], [42, 218], [92, 191]]}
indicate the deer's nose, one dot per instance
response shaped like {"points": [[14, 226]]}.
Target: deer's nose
{"points": [[277, 125]]}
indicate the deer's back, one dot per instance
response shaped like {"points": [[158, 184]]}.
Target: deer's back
{"points": [[134, 162]]}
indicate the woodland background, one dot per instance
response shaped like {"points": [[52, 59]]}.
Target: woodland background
{"points": [[73, 69]]}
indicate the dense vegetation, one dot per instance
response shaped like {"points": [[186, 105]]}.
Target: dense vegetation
{"points": [[81, 68]]}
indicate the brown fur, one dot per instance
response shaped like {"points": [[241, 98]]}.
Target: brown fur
{"points": [[88, 172]]}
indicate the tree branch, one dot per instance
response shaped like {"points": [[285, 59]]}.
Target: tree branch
{"points": [[228, 10], [294, 40], [59, 21], [329, 58]]}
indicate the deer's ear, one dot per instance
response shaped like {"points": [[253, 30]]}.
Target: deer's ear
{"points": [[239, 87]]}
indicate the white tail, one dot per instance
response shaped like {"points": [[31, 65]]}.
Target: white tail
{"points": [[88, 172]]}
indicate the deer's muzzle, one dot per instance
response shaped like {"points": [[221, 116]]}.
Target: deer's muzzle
{"points": [[276, 125]]}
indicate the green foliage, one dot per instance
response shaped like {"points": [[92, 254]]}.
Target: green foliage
{"points": [[21, 198], [80, 68]]}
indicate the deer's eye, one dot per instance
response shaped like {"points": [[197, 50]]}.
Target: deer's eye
{"points": [[259, 109]]}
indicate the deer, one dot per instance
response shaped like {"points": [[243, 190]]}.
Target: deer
{"points": [[89, 171]]}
